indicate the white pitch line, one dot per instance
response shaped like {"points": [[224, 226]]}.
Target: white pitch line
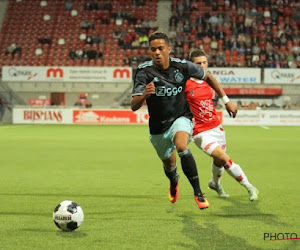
{"points": [[12, 126], [265, 127]]}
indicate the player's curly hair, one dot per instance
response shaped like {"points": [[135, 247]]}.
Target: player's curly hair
{"points": [[159, 35], [197, 53]]}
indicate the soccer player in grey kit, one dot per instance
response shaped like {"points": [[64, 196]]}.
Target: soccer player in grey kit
{"points": [[161, 82]]}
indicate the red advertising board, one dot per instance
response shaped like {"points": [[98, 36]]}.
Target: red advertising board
{"points": [[82, 116], [254, 91], [115, 117], [110, 117]]}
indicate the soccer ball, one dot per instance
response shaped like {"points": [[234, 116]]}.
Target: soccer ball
{"points": [[68, 215]]}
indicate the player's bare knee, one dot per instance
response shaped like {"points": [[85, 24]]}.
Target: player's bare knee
{"points": [[181, 140], [181, 148], [181, 145], [220, 157]]}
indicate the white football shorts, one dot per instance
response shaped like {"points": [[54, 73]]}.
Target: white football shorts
{"points": [[208, 140]]}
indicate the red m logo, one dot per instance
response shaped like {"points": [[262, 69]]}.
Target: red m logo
{"points": [[54, 72], [119, 73]]}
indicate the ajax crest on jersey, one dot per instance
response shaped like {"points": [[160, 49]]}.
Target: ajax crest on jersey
{"points": [[68, 215], [178, 76]]}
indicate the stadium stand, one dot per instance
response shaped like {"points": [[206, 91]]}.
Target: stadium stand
{"points": [[107, 33], [77, 32], [249, 33]]}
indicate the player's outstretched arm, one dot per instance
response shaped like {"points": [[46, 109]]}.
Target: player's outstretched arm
{"points": [[138, 100], [213, 82]]}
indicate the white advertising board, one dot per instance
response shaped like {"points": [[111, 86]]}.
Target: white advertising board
{"points": [[236, 75], [282, 76], [263, 118], [42, 116], [89, 116], [66, 74]]}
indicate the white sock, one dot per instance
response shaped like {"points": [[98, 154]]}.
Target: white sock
{"points": [[216, 174], [235, 171]]}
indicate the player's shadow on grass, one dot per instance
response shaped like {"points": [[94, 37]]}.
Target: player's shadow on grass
{"points": [[21, 213], [208, 236], [248, 210], [71, 234]]}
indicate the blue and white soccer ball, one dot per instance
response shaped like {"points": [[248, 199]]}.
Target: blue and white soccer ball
{"points": [[68, 215]]}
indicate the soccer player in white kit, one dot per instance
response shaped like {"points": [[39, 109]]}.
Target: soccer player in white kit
{"points": [[208, 133]]}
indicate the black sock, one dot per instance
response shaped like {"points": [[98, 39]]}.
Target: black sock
{"points": [[172, 175], [190, 169]]}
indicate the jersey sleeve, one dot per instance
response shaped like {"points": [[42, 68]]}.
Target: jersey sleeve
{"points": [[140, 82], [195, 70]]}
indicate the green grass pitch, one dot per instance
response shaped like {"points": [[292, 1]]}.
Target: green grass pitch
{"points": [[115, 175]]}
